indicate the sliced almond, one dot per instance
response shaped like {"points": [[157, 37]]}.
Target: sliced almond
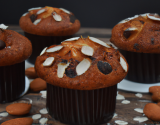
{"points": [[138, 95], [125, 102], [120, 97], [41, 11], [115, 115], [25, 14], [57, 17], [83, 66], [131, 18], [72, 39], [61, 69], [36, 8], [54, 49], [36, 116], [44, 94], [4, 114], [66, 11], [120, 122], [138, 110], [48, 61], [87, 50], [36, 21], [99, 42], [124, 21], [43, 121], [153, 17], [43, 111], [2, 26], [143, 15], [131, 29], [140, 119], [123, 64], [43, 51]]}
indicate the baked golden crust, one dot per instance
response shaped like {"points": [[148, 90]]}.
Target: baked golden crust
{"points": [[138, 34], [18, 48], [95, 77], [48, 26]]}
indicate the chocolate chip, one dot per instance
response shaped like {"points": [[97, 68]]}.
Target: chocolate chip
{"points": [[126, 34], [104, 67], [71, 69], [92, 58], [2, 45], [72, 18], [64, 61], [141, 21], [136, 46], [33, 17], [152, 40]]}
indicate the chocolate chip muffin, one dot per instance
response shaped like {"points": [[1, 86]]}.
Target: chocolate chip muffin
{"points": [[138, 39], [82, 76], [14, 49], [47, 26]]}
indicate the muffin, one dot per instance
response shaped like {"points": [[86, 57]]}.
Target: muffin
{"points": [[82, 76], [138, 39], [14, 49], [47, 26]]}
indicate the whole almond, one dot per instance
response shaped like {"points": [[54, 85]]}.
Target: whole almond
{"points": [[18, 108], [19, 121], [38, 84], [31, 73]]}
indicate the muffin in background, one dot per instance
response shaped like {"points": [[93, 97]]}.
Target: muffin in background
{"points": [[47, 26], [14, 49], [138, 39], [82, 76]]}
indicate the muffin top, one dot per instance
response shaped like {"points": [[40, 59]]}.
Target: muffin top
{"points": [[49, 21], [14, 48], [140, 33], [81, 63]]}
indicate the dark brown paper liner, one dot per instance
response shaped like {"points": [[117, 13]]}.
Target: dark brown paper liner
{"points": [[81, 107], [143, 67], [40, 42], [12, 82]]}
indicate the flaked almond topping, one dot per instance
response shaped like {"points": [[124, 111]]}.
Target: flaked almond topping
{"points": [[66, 11], [131, 18], [41, 11], [143, 15], [123, 64], [87, 50], [44, 94], [61, 69], [120, 122], [2, 26], [120, 97], [43, 121], [99, 42], [4, 114], [72, 39], [48, 61], [43, 51], [124, 21], [138, 110], [138, 95], [54, 49], [83, 66], [131, 29], [57, 17], [25, 14], [153, 17], [36, 116], [36, 8], [36, 21], [125, 102]]}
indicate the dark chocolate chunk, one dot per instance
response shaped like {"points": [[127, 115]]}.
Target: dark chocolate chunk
{"points": [[104, 67], [33, 17], [126, 34], [141, 21], [64, 61], [136, 46], [92, 58], [2, 45], [71, 69], [152, 40], [72, 18]]}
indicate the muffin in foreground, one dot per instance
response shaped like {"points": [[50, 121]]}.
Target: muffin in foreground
{"points": [[47, 26], [82, 76], [14, 49], [138, 39]]}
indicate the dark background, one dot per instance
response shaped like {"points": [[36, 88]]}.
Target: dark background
{"points": [[91, 13]]}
